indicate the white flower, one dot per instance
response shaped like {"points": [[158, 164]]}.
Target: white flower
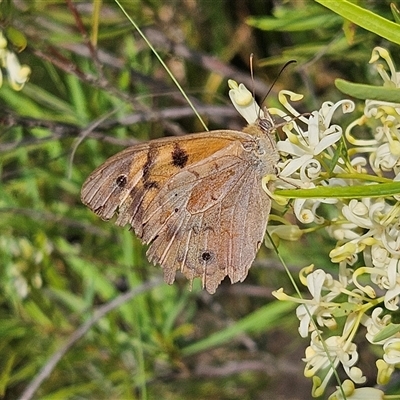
{"points": [[305, 210], [392, 295], [304, 147], [347, 252], [342, 230], [384, 158], [244, 102], [304, 313], [366, 230], [21, 286], [380, 240], [352, 393], [375, 324], [379, 256], [384, 119], [285, 232], [380, 244], [319, 306], [357, 212], [392, 351], [334, 350], [18, 74]]}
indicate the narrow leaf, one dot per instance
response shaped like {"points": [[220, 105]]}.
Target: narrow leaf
{"points": [[364, 92], [343, 192], [364, 18]]}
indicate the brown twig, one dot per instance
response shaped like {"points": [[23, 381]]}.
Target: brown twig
{"points": [[63, 130]]}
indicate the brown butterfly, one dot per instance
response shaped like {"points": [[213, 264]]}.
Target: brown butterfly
{"points": [[197, 200]]}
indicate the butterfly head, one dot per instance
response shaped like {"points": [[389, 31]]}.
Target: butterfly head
{"points": [[265, 122]]}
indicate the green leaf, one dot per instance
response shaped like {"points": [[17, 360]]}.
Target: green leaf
{"points": [[364, 18], [387, 332], [300, 23], [364, 92], [263, 319], [343, 192], [5, 374], [344, 309]]}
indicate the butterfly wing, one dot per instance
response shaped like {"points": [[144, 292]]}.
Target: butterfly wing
{"points": [[197, 201], [128, 181], [213, 232]]}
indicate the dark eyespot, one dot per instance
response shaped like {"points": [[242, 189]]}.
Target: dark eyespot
{"points": [[121, 181], [207, 256]]}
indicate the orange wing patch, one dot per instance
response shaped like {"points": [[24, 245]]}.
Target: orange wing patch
{"points": [[130, 179]]}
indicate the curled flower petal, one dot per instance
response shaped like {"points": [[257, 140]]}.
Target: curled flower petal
{"points": [[383, 53], [357, 212], [383, 159], [392, 297], [375, 324], [347, 252], [310, 170], [392, 351], [305, 210], [295, 164], [286, 232]]}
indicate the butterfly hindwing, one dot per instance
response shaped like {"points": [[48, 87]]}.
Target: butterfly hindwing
{"points": [[209, 220]]}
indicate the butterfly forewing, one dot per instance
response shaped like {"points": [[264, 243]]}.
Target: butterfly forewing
{"points": [[140, 170]]}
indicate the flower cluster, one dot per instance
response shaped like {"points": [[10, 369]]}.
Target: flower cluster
{"points": [[318, 153], [17, 74]]}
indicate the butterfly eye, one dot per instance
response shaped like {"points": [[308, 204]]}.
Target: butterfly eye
{"points": [[121, 181], [265, 125]]}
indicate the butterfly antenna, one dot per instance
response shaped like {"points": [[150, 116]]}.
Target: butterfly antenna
{"points": [[252, 73], [277, 77], [252, 77]]}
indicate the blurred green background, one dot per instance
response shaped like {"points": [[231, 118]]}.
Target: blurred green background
{"points": [[95, 88]]}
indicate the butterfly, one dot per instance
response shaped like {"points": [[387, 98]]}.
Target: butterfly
{"points": [[196, 200]]}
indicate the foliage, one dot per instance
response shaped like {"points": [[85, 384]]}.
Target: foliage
{"points": [[68, 279]]}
